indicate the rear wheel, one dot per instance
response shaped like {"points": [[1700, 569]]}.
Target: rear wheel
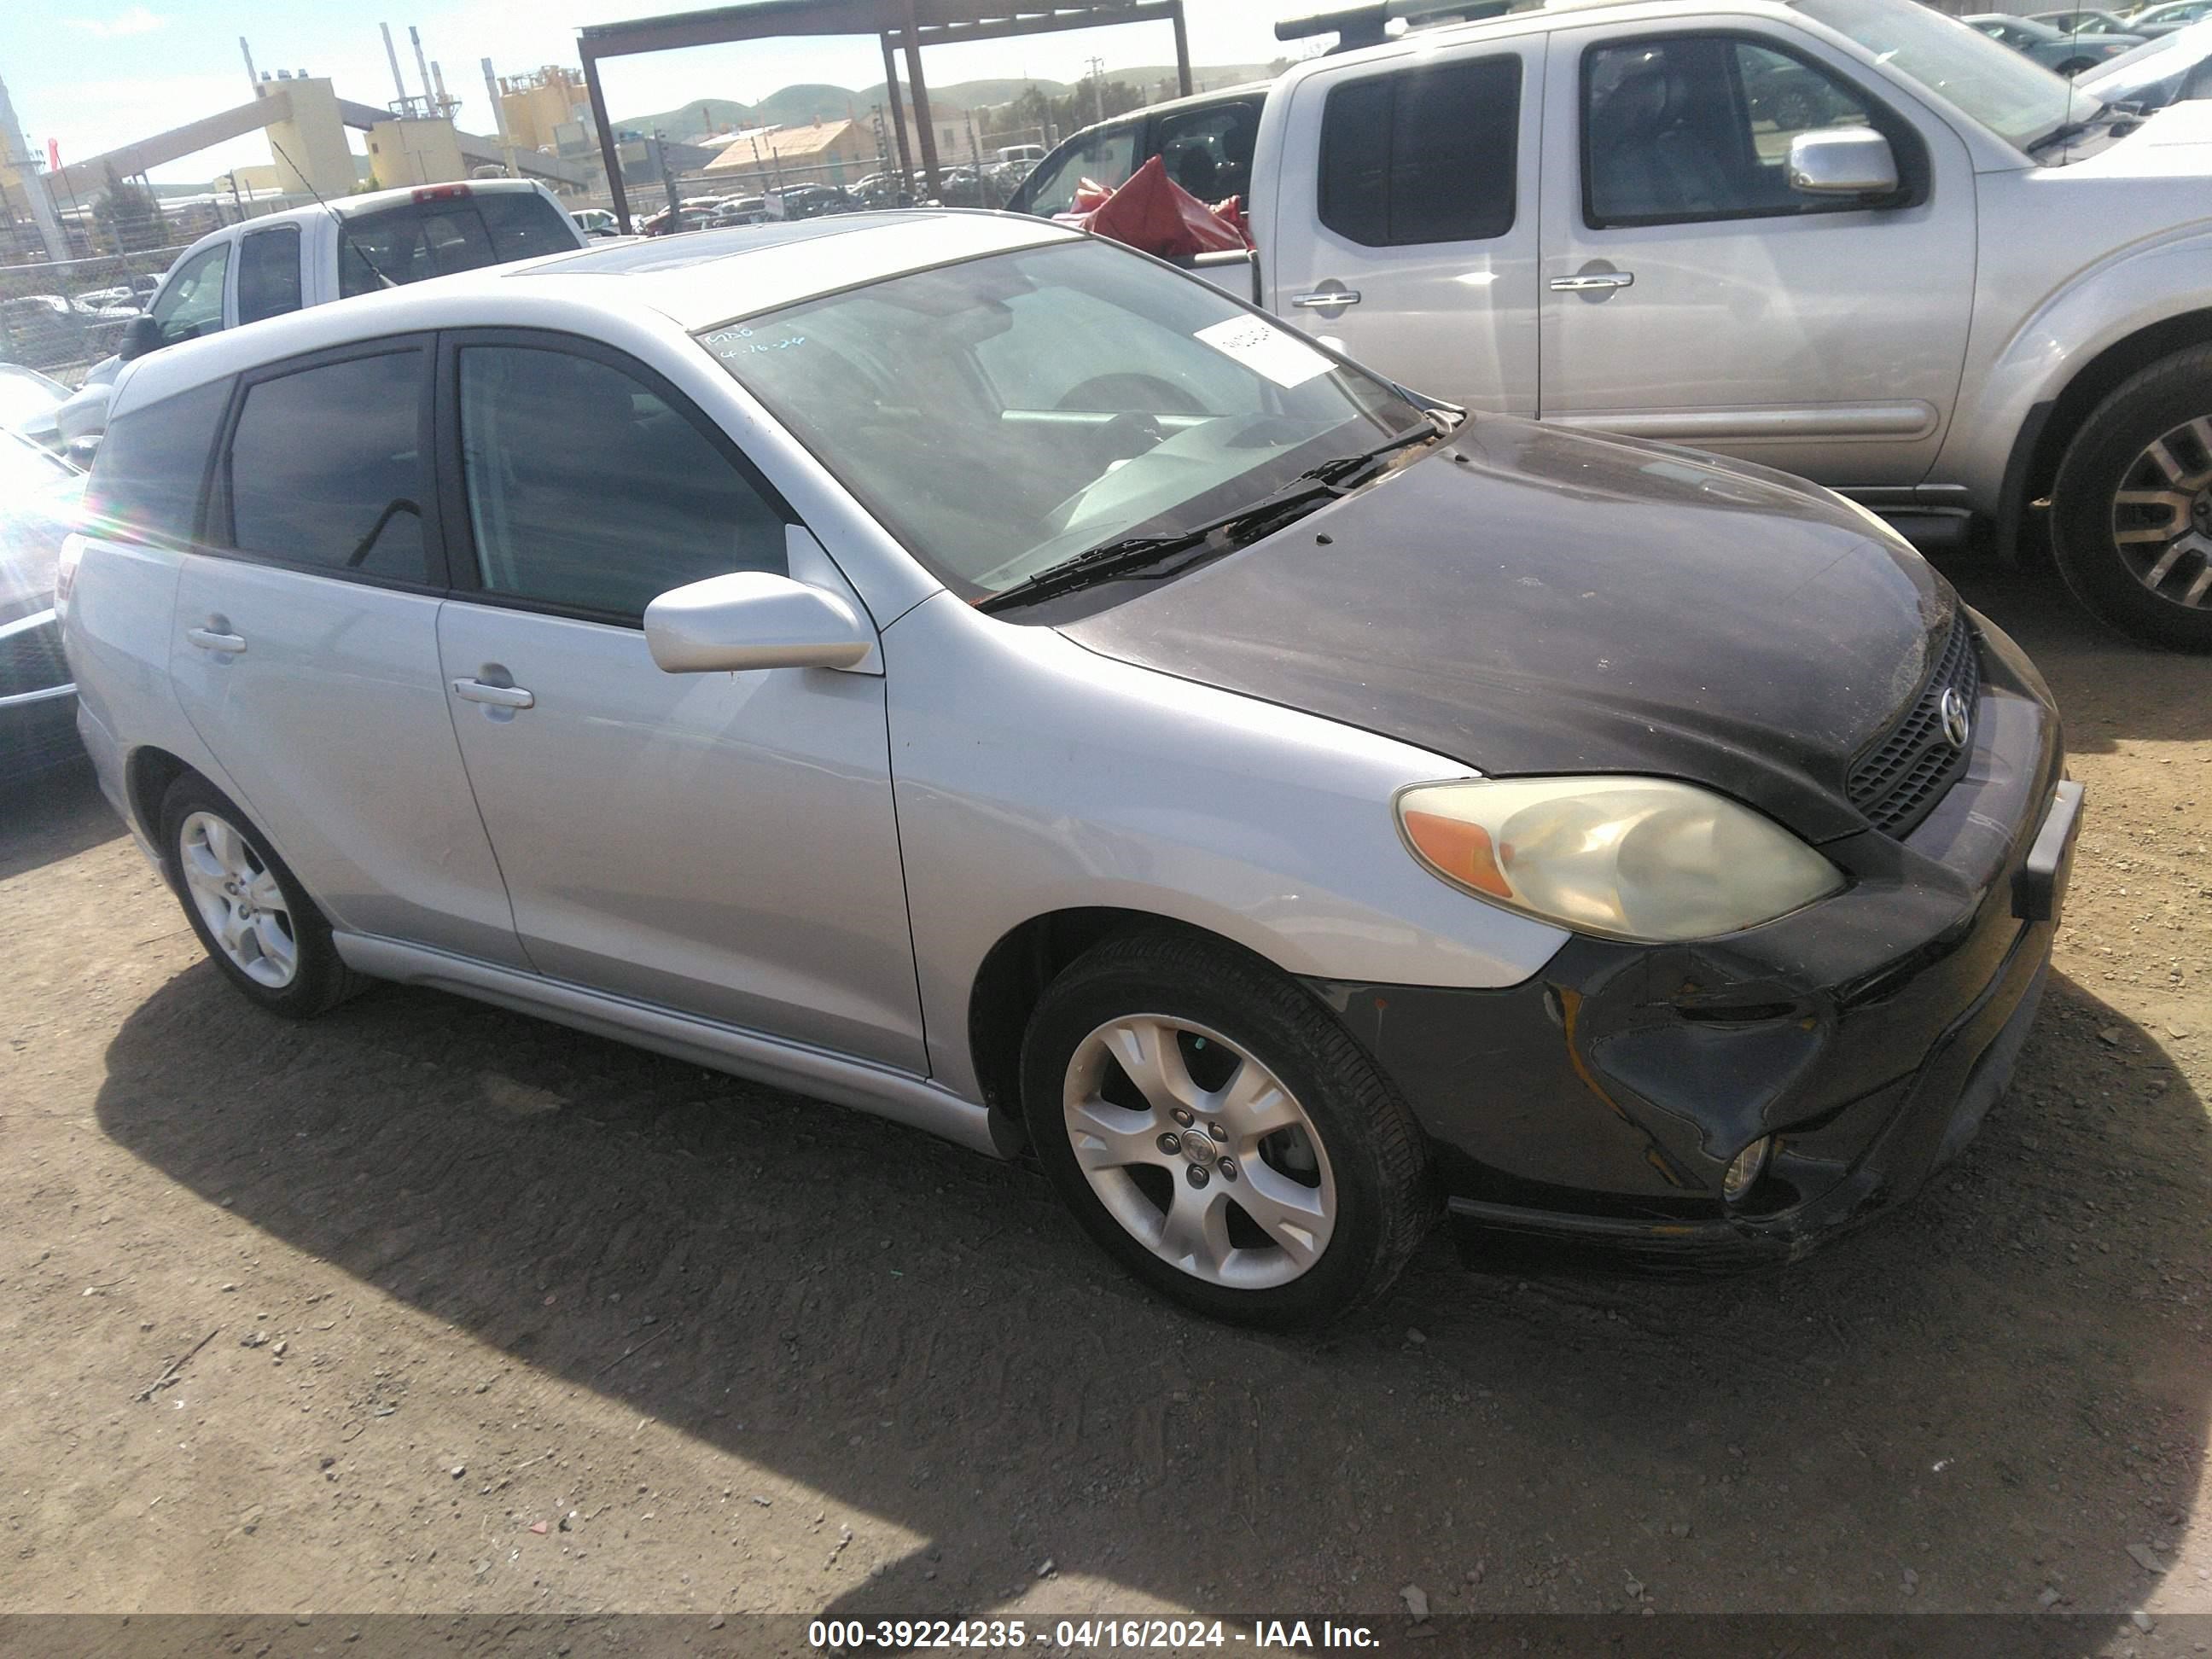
{"points": [[252, 917], [2131, 509], [1219, 1135]]}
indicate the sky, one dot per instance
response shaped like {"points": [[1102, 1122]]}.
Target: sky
{"points": [[94, 74]]}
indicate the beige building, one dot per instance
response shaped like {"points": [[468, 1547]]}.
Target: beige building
{"points": [[821, 153], [537, 105], [309, 148], [414, 151]]}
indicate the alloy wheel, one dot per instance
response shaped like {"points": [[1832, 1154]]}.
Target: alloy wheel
{"points": [[239, 898], [2162, 515], [1198, 1151]]}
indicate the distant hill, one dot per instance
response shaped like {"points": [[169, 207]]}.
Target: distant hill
{"points": [[795, 105]]}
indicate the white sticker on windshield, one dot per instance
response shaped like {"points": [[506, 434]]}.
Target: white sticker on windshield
{"points": [[1260, 345]]}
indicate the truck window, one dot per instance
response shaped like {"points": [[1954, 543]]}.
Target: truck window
{"points": [[1209, 151], [1109, 157], [1698, 127], [1424, 154], [268, 273], [446, 233], [191, 304]]}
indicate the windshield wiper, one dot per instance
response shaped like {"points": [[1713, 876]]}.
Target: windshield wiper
{"points": [[1315, 487]]}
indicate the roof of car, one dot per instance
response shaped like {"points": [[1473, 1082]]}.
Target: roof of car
{"points": [[696, 279]]}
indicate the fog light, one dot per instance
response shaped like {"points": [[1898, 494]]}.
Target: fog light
{"points": [[1744, 1172]]}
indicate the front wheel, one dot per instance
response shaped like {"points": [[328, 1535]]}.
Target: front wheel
{"points": [[2131, 509], [1218, 1133]]}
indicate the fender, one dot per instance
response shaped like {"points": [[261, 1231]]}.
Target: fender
{"points": [[2158, 279]]}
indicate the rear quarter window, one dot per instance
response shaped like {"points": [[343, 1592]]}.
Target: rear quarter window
{"points": [[151, 468], [439, 237]]}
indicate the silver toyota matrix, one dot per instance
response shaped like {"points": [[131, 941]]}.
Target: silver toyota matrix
{"points": [[956, 667]]}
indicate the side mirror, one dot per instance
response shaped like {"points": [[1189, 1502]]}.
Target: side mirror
{"points": [[751, 619], [141, 335], [1842, 161]]}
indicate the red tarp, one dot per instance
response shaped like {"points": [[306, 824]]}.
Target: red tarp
{"points": [[1154, 214]]}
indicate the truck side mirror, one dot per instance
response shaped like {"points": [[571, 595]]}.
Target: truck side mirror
{"points": [[1842, 161], [141, 335]]}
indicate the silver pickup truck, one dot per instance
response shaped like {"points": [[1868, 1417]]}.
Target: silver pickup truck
{"points": [[1852, 239]]}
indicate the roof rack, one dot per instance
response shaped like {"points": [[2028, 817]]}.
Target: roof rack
{"points": [[1368, 24]]}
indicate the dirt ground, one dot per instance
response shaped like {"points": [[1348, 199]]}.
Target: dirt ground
{"points": [[498, 1317]]}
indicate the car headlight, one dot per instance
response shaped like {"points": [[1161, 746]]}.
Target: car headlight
{"points": [[1643, 858]]}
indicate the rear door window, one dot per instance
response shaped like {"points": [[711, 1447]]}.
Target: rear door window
{"points": [[268, 273], [1424, 154], [446, 233], [149, 471], [326, 466]]}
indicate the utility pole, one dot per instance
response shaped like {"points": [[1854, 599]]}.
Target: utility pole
{"points": [[1098, 88], [34, 182], [253, 79]]}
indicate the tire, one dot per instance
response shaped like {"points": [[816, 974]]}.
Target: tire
{"points": [[2074, 66], [263, 915], [1304, 1222], [2112, 454]]}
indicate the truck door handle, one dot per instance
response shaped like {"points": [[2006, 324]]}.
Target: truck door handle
{"points": [[1327, 296], [230, 645], [1584, 281], [499, 697]]}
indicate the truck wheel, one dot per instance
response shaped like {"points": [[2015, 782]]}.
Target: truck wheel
{"points": [[1217, 1132], [2132, 511]]}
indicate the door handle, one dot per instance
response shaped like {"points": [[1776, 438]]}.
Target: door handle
{"points": [[499, 697], [230, 645], [1584, 281], [1326, 296]]}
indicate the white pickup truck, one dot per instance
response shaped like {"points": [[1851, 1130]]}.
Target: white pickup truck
{"points": [[1852, 239], [309, 256]]}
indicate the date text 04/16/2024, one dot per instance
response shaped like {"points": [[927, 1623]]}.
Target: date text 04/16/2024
{"points": [[843, 1634]]}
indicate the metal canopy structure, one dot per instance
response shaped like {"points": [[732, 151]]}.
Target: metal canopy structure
{"points": [[904, 26]]}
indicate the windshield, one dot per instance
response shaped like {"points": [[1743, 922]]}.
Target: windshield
{"points": [[2012, 95], [1003, 414], [2155, 74]]}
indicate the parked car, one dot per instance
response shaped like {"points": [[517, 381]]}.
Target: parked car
{"points": [[1291, 815], [2172, 69], [2066, 53], [739, 210], [2152, 21], [39, 499], [28, 402], [2083, 23], [98, 301], [807, 202], [596, 221], [282, 262], [1966, 288], [1205, 142], [41, 331]]}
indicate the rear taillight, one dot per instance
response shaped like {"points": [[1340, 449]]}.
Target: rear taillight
{"points": [[440, 192], [65, 571]]}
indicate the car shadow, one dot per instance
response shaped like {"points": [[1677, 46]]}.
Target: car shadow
{"points": [[52, 815], [2109, 687], [1999, 1390]]}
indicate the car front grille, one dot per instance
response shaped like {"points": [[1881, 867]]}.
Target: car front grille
{"points": [[1897, 782], [31, 658]]}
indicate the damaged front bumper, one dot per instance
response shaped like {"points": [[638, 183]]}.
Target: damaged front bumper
{"points": [[1869, 1034]]}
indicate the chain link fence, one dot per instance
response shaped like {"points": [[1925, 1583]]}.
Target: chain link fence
{"points": [[62, 316]]}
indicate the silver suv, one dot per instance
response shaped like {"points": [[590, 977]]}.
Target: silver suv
{"points": [[1293, 815]]}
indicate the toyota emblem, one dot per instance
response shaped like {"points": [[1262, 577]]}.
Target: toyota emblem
{"points": [[1958, 723]]}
